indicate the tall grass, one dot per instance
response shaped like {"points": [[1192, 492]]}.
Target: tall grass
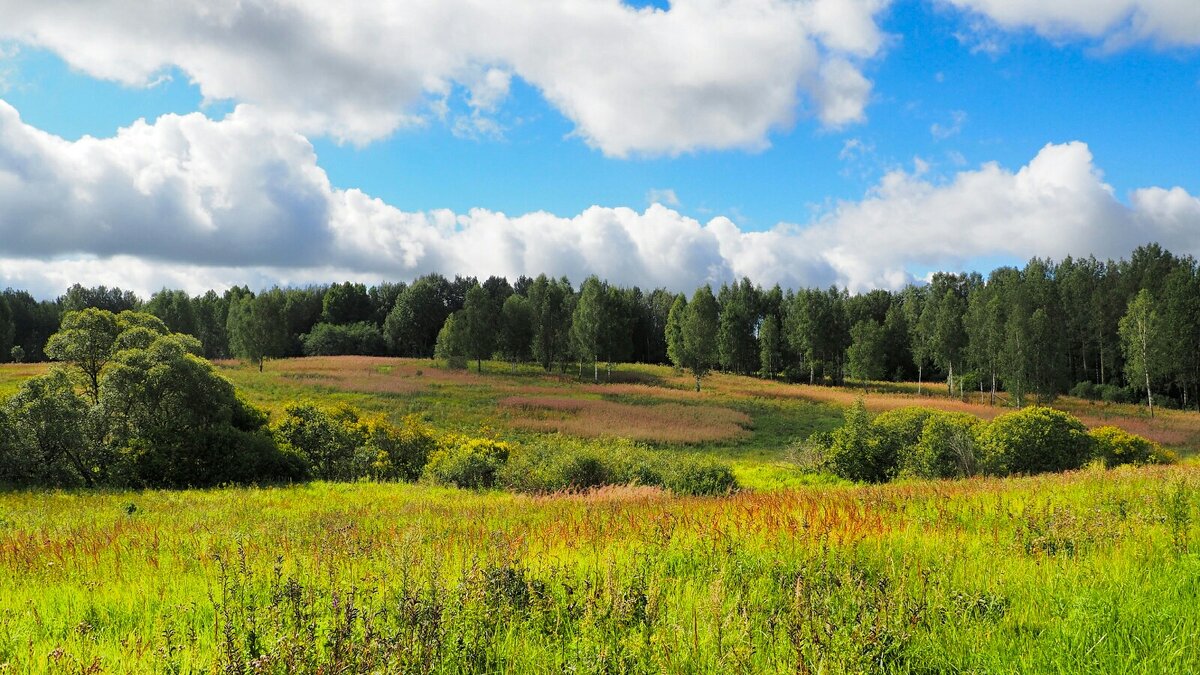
{"points": [[1087, 572]]}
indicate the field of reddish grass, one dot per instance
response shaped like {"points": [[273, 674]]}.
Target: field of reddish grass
{"points": [[664, 422]]}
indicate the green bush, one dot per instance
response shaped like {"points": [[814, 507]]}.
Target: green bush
{"points": [[399, 452], [899, 431], [947, 447], [855, 451], [692, 475], [464, 462], [1116, 447], [559, 462], [1111, 393], [1086, 391], [1034, 440], [332, 443]]}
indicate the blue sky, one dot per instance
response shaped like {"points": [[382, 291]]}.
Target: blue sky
{"points": [[951, 89]]}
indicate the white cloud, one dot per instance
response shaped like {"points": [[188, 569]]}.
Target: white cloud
{"points": [[1118, 23], [666, 197], [941, 132], [188, 201], [705, 74]]}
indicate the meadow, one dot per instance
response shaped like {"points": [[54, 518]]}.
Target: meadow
{"points": [[1089, 571]]}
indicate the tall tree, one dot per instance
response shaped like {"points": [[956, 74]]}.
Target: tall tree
{"points": [[257, 326], [86, 342], [867, 351], [346, 303], [551, 302], [479, 325], [674, 331], [770, 346], [1141, 341], [515, 333], [588, 322], [700, 333], [739, 315]]}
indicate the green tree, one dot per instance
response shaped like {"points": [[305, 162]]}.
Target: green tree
{"points": [[85, 341], [700, 333], [257, 327], [551, 301], [770, 346], [8, 330], [589, 321], [479, 325], [176, 310], [867, 351], [50, 425], [674, 331], [739, 313], [1141, 342], [516, 329], [452, 342], [346, 303]]}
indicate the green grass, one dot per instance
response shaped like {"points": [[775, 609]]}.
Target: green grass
{"points": [[1087, 572]]}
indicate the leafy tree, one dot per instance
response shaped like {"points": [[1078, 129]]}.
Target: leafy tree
{"points": [[478, 319], [50, 425], [452, 342], [515, 330], [855, 451], [1141, 342], [420, 311], [737, 347], [176, 310], [346, 303], [383, 299], [674, 331], [333, 444], [589, 320], [551, 303], [257, 327], [18, 354], [867, 351], [8, 330], [699, 333], [85, 341], [112, 300], [770, 346], [327, 339]]}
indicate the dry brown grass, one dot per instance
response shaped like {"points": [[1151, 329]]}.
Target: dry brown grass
{"points": [[666, 422]]}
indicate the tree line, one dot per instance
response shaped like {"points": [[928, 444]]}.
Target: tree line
{"points": [[1112, 329]]}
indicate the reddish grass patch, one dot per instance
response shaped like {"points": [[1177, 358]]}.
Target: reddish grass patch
{"points": [[667, 422]]}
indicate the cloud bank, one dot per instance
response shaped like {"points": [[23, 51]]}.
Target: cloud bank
{"points": [[195, 203], [1118, 23], [704, 74]]}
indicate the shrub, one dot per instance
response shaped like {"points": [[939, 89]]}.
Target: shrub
{"points": [[1116, 447], [333, 444], [1086, 391], [947, 447], [855, 451], [692, 475], [399, 452], [899, 432], [467, 462], [1111, 393], [1034, 440]]}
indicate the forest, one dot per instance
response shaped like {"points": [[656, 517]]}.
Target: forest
{"points": [[1119, 330]]}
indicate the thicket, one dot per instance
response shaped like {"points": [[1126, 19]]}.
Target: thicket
{"points": [[925, 443]]}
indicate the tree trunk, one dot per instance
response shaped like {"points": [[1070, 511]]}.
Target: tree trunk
{"points": [[697, 383], [950, 381], [920, 373], [1149, 395], [479, 365], [596, 371], [992, 399], [260, 364]]}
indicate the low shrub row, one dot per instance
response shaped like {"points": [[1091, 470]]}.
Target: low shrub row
{"points": [[558, 462], [924, 443]]}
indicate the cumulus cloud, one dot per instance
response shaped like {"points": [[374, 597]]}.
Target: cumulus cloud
{"points": [[1118, 23], [703, 74], [191, 202]]}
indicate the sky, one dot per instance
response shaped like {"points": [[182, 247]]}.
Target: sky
{"points": [[862, 143]]}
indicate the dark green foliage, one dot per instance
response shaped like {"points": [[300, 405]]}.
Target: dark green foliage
{"points": [[49, 435], [698, 333], [1086, 391], [947, 447], [1034, 440], [412, 325], [327, 339], [691, 475], [257, 326], [346, 303], [112, 300], [515, 336], [453, 342], [856, 452]]}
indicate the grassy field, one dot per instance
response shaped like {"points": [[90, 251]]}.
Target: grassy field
{"points": [[1093, 571], [1086, 572]]}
